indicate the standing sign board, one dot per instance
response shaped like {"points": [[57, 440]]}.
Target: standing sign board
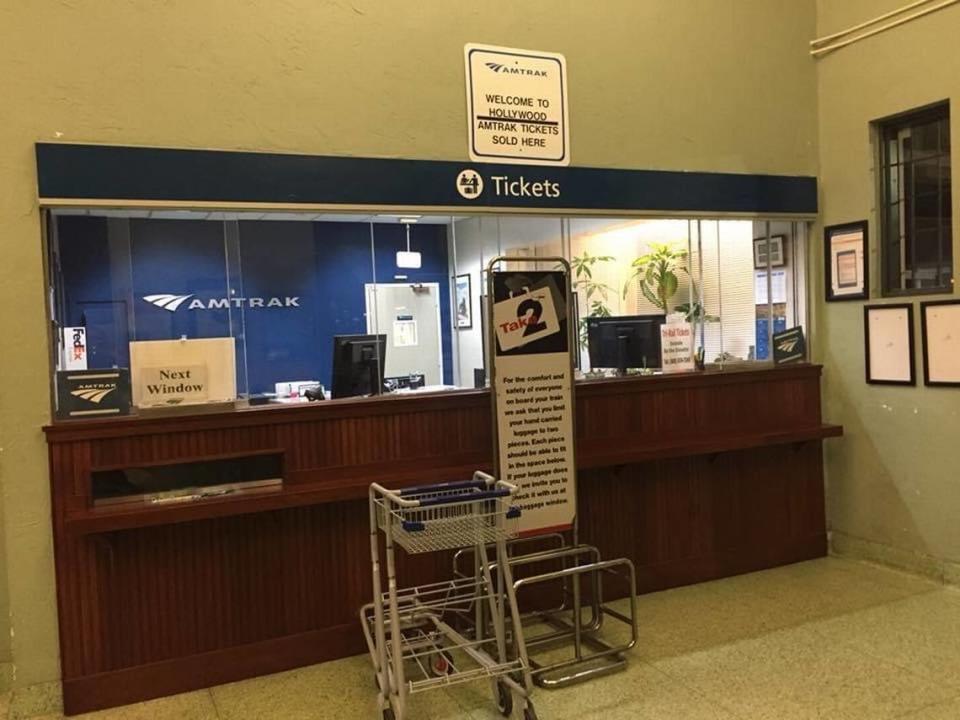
{"points": [[517, 106], [533, 395]]}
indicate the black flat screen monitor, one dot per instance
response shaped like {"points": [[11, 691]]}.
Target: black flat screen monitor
{"points": [[628, 341], [358, 365]]}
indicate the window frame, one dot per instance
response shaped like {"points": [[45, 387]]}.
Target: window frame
{"points": [[939, 111]]}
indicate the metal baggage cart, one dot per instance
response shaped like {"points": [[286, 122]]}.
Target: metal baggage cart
{"points": [[415, 635]]}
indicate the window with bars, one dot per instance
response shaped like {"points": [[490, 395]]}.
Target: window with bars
{"points": [[916, 210]]}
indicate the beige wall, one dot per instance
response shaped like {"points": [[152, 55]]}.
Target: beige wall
{"points": [[5, 655], [893, 478], [699, 84]]}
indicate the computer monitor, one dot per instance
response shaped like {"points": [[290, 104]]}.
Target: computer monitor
{"points": [[628, 341], [358, 362]]}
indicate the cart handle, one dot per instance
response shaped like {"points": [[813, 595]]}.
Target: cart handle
{"points": [[480, 479], [439, 487], [466, 497]]}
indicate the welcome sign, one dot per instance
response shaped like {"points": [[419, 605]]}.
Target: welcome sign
{"points": [[532, 385]]}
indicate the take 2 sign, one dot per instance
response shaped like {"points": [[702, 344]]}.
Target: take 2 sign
{"points": [[517, 105], [525, 317], [533, 395]]}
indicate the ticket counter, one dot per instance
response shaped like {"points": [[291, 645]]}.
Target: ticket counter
{"points": [[225, 535], [692, 477]]}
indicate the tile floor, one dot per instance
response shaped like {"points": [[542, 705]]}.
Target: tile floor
{"points": [[830, 639]]}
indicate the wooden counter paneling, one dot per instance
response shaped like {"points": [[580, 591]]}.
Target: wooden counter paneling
{"points": [[693, 477]]}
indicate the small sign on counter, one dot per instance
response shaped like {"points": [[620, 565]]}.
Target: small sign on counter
{"points": [[74, 348], [93, 393], [173, 385], [789, 346], [676, 347]]}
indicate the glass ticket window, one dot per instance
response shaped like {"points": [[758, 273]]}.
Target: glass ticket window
{"points": [[630, 276], [192, 308], [161, 309]]}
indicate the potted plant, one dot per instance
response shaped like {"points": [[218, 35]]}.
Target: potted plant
{"points": [[656, 274], [595, 294]]}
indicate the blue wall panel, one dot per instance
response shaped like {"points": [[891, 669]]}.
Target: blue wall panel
{"points": [[325, 266]]}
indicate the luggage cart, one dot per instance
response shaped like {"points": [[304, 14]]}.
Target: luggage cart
{"points": [[412, 633], [549, 626]]}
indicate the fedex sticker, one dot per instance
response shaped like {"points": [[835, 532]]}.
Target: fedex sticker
{"points": [[524, 318]]}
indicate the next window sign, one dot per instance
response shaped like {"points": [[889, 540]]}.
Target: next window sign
{"points": [[517, 105]]}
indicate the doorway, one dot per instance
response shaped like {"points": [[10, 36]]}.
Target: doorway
{"points": [[409, 315]]}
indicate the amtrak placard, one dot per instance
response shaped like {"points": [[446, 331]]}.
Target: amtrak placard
{"points": [[93, 393], [789, 346], [533, 386], [517, 105]]}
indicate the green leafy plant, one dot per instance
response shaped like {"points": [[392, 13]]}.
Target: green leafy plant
{"points": [[694, 311], [595, 294], [657, 274]]}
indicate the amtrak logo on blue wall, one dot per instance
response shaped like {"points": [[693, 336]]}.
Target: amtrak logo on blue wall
{"points": [[170, 302]]}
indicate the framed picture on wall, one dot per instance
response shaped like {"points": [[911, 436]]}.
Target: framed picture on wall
{"points": [[940, 330], [888, 340], [845, 265], [777, 258], [464, 300]]}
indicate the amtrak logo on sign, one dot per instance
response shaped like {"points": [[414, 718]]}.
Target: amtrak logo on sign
{"points": [[171, 302], [469, 184], [515, 70], [93, 393], [788, 345]]}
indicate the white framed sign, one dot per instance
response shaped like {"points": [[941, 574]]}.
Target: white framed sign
{"points": [[888, 342], [517, 105], [846, 272], [940, 326]]}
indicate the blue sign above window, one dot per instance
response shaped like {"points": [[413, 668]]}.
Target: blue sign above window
{"points": [[129, 174]]}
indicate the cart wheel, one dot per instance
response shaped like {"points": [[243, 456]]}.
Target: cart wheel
{"points": [[388, 714], [504, 699], [529, 713]]}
